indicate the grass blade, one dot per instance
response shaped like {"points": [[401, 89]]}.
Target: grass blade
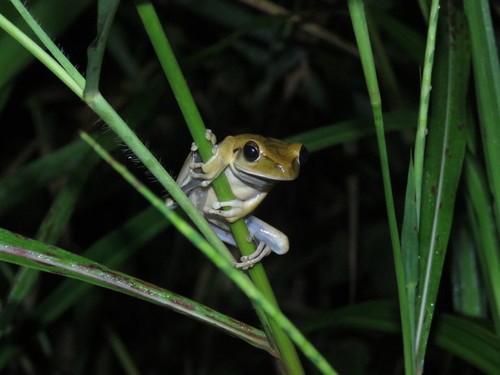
{"points": [[348, 131], [361, 32], [105, 15], [40, 172], [113, 250], [121, 352], [487, 81], [37, 255], [409, 248], [481, 216], [468, 291], [56, 15], [47, 41], [443, 164], [425, 94], [49, 232]]}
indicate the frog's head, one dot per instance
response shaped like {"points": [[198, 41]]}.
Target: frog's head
{"points": [[268, 158]]}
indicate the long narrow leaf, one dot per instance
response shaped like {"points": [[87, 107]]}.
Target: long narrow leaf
{"points": [[40, 172], [425, 94], [358, 19], [480, 212], [443, 164], [105, 15], [30, 253], [487, 81], [347, 131], [409, 247], [468, 291], [50, 231], [57, 15]]}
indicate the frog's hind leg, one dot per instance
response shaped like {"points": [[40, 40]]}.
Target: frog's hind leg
{"points": [[263, 232], [224, 235], [249, 261]]}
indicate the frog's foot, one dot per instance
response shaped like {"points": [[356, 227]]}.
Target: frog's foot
{"points": [[206, 174], [249, 261], [194, 147], [210, 136], [236, 212]]}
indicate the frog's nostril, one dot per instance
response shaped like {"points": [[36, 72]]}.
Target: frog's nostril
{"points": [[304, 155]]}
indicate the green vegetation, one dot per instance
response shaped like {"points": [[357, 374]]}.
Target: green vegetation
{"points": [[394, 222]]}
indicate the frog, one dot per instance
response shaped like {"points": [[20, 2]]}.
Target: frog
{"points": [[253, 164]]}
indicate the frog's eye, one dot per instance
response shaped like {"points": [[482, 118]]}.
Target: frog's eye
{"points": [[251, 151], [304, 155]]}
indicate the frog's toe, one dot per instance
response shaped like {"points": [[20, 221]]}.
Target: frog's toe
{"points": [[200, 176], [235, 203], [210, 136], [194, 165]]}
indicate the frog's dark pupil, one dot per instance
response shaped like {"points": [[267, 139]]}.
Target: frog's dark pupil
{"points": [[251, 151]]}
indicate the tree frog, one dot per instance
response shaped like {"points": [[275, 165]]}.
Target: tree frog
{"points": [[253, 164]]}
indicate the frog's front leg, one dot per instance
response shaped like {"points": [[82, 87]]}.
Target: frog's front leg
{"points": [[216, 164], [238, 208]]}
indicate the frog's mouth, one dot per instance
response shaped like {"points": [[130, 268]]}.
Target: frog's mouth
{"points": [[252, 178]]}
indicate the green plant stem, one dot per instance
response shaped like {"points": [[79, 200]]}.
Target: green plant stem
{"points": [[197, 128], [362, 37], [425, 94]]}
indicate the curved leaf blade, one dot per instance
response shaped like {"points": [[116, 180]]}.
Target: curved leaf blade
{"points": [[37, 255]]}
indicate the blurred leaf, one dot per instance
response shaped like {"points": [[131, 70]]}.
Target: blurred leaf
{"points": [[5, 95], [462, 337], [347, 131], [49, 232], [407, 38], [483, 225], [113, 250], [121, 352], [468, 296], [105, 15], [487, 81], [39, 173], [443, 163]]}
